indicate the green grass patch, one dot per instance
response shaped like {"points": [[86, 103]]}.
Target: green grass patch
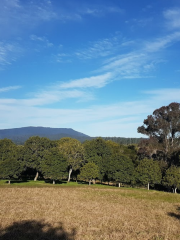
{"points": [[127, 192]]}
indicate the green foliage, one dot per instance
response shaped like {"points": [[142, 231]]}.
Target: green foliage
{"points": [[100, 153], [122, 169], [10, 166], [164, 126], [172, 177], [34, 149], [54, 164], [73, 150], [148, 171], [6, 148], [124, 141], [89, 171]]}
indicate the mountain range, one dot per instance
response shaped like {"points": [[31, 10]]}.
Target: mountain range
{"points": [[20, 135]]}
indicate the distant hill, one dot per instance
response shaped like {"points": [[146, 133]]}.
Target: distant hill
{"points": [[20, 135]]}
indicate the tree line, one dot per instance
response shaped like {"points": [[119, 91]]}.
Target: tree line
{"points": [[153, 162]]}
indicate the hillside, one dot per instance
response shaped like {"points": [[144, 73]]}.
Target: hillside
{"points": [[20, 135]]}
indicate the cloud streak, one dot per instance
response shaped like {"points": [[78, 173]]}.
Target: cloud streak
{"points": [[10, 88], [139, 63], [8, 53], [94, 81], [121, 116], [173, 18], [42, 40]]}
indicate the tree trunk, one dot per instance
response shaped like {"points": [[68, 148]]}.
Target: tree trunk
{"points": [[89, 182], [148, 186], [9, 181], [94, 181], [70, 171], [36, 177], [53, 181], [175, 190], [119, 184]]}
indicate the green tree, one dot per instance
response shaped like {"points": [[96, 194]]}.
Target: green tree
{"points": [[89, 172], [6, 148], [123, 169], [98, 151], [10, 167], [164, 125], [148, 172], [74, 152], [172, 178], [35, 148], [54, 164]]}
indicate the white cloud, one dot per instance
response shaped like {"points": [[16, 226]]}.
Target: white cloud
{"points": [[165, 95], [129, 65], [173, 18], [121, 118], [94, 81], [62, 57], [162, 42], [139, 63], [41, 39], [6, 89], [8, 53], [99, 10], [104, 48], [16, 16]]}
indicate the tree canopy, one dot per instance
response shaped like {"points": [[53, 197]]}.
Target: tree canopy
{"points": [[74, 152], [10, 166], [99, 152], [54, 164], [89, 171], [148, 172], [34, 149], [172, 177], [164, 125]]}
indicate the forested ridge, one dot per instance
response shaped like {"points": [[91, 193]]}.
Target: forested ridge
{"points": [[20, 135], [153, 162]]}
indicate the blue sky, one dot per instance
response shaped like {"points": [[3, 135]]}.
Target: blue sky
{"points": [[97, 66]]}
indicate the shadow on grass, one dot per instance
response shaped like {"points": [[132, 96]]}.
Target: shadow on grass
{"points": [[36, 230], [175, 215], [56, 182], [18, 181]]}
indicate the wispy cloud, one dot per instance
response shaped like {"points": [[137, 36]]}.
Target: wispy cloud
{"points": [[94, 81], [28, 14], [101, 48], [162, 42], [98, 10], [62, 57], [166, 95], [18, 15], [121, 117], [69, 90], [7, 89], [105, 47], [173, 18], [41, 39], [8, 53], [140, 62]]}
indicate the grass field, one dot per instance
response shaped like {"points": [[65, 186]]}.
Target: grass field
{"points": [[34, 211]]}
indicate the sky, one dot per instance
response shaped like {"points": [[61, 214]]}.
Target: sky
{"points": [[97, 66]]}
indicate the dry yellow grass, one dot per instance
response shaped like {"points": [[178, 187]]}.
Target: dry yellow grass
{"points": [[88, 213]]}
